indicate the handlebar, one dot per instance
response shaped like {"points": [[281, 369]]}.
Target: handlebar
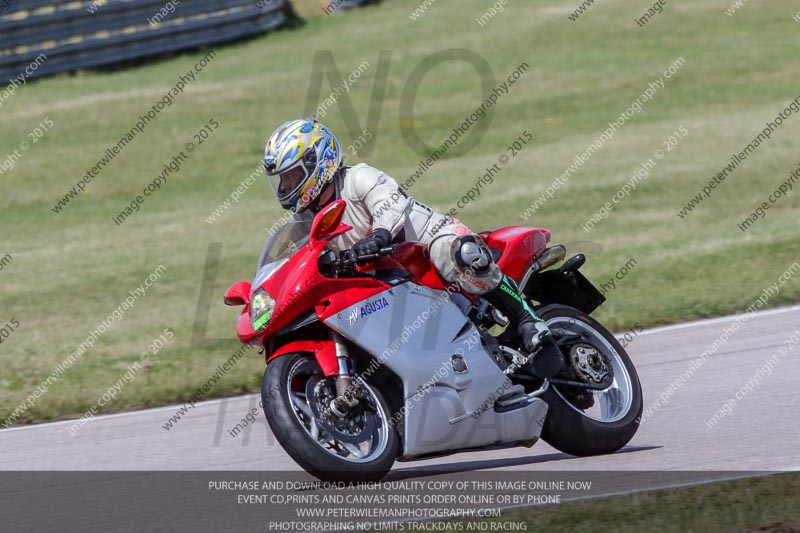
{"points": [[348, 258]]}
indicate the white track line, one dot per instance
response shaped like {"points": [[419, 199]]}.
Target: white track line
{"points": [[720, 320], [651, 331], [128, 413]]}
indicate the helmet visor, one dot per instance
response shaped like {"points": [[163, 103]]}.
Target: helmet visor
{"points": [[291, 180], [288, 183]]}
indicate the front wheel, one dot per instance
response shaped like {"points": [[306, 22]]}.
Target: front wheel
{"points": [[583, 422], [360, 446]]}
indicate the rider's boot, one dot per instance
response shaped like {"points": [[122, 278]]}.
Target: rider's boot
{"points": [[532, 330]]}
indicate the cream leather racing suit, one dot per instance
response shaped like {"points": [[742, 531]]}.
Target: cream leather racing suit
{"points": [[374, 201]]}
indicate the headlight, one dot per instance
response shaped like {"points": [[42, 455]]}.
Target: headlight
{"points": [[261, 308]]}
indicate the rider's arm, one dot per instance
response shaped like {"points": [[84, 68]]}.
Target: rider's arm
{"points": [[383, 199]]}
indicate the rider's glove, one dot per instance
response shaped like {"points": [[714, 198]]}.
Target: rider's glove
{"points": [[372, 244]]}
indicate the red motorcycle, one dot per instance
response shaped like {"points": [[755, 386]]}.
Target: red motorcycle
{"points": [[376, 359]]}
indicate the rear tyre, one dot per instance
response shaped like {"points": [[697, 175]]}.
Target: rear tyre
{"points": [[362, 447], [599, 422]]}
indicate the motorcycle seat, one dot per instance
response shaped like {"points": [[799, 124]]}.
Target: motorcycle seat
{"points": [[523, 244], [496, 253]]}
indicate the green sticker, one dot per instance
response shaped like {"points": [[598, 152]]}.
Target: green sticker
{"points": [[510, 291], [262, 320]]}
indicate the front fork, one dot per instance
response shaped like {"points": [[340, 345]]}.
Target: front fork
{"points": [[345, 392]]}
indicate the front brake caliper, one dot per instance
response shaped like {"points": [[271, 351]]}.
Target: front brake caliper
{"points": [[352, 428]]}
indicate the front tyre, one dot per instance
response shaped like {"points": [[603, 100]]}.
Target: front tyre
{"points": [[359, 447], [581, 422]]}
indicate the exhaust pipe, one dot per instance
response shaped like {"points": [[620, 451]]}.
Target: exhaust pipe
{"points": [[549, 257]]}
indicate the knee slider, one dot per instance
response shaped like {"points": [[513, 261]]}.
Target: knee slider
{"points": [[471, 255]]}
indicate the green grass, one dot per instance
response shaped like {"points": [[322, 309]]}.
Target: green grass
{"points": [[768, 504], [71, 269]]}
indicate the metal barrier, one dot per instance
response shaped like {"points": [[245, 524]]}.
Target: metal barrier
{"points": [[69, 35]]}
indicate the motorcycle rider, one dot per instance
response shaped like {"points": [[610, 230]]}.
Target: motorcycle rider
{"points": [[304, 166]]}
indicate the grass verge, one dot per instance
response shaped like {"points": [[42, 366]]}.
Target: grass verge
{"points": [[69, 270], [768, 504]]}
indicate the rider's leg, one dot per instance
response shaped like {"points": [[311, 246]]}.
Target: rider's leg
{"points": [[506, 297], [465, 259]]}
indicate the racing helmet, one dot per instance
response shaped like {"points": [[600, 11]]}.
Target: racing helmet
{"points": [[301, 158]]}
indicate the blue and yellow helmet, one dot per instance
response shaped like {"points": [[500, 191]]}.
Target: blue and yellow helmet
{"points": [[301, 158]]}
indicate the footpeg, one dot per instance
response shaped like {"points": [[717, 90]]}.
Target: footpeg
{"points": [[518, 360], [546, 362], [499, 318]]}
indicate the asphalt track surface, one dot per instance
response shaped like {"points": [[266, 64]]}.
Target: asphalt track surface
{"points": [[675, 445]]}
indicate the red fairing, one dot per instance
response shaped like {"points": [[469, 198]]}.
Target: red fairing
{"points": [[520, 246], [413, 256], [244, 328], [299, 286], [323, 350]]}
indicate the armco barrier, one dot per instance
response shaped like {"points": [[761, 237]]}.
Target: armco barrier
{"points": [[73, 37]]}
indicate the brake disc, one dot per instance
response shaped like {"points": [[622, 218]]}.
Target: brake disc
{"points": [[591, 365], [355, 428]]}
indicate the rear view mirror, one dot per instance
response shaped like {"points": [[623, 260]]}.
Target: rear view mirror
{"points": [[238, 294], [327, 220]]}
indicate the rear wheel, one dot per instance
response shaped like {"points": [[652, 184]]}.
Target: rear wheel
{"points": [[590, 422], [360, 446]]}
